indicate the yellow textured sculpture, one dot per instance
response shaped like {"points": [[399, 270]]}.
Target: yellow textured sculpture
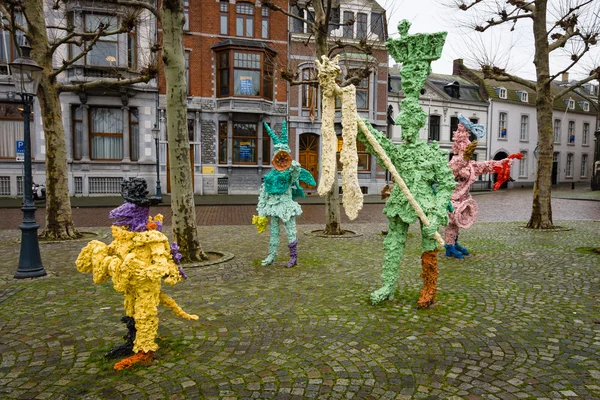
{"points": [[137, 260]]}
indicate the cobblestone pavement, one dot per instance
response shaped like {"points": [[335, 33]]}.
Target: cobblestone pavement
{"points": [[520, 318], [504, 205]]}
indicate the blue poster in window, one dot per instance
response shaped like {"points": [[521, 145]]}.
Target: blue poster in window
{"points": [[246, 85], [245, 151]]}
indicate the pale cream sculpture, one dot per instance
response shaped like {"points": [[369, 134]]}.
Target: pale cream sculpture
{"points": [[353, 197]]}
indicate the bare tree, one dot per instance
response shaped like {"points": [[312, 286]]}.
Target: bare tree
{"points": [[171, 16], [59, 224], [320, 22], [570, 26]]}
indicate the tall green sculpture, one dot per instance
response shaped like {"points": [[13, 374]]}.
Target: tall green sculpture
{"points": [[423, 168]]}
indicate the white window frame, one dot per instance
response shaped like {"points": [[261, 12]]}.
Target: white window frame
{"points": [[524, 96], [523, 165], [502, 92], [586, 106], [571, 132], [571, 104], [586, 134], [524, 136], [584, 167], [557, 130], [502, 123], [569, 166]]}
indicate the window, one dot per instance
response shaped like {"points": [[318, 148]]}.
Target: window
{"points": [[8, 50], [105, 52], [364, 158], [77, 123], [453, 127], [106, 133], [502, 93], [585, 106], [472, 136], [362, 94], [571, 104], [11, 129], [224, 17], [134, 134], [244, 143], [297, 25], [584, 165], [186, 56], [557, 131], [377, 25], [186, 15], [523, 164], [222, 142], [334, 22], [586, 134], [132, 49], [571, 132], [361, 26], [524, 96], [244, 22], [502, 118], [249, 74], [266, 148], [434, 127], [348, 31], [309, 92], [265, 23], [524, 128], [569, 165]]}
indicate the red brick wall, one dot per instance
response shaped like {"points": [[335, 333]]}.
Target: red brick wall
{"points": [[204, 32]]}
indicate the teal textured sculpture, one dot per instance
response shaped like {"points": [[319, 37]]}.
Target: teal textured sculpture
{"points": [[276, 199], [423, 168]]}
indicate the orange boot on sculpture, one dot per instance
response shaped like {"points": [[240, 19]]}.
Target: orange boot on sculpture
{"points": [[142, 357], [429, 263]]}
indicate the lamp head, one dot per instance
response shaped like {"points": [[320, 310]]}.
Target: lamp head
{"points": [[26, 73]]}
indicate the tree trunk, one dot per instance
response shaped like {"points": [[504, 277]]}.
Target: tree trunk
{"points": [[332, 200], [182, 196], [541, 210], [59, 223]]}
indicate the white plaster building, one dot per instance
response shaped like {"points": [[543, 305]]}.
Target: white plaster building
{"points": [[512, 127], [107, 131]]}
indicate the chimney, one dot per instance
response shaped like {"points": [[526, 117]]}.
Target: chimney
{"points": [[565, 77], [457, 66]]}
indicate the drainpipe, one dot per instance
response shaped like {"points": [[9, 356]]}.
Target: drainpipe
{"points": [[488, 150]]}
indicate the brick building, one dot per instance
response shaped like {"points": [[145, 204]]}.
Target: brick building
{"points": [[233, 50], [351, 22]]}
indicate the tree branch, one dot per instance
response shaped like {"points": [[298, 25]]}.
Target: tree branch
{"points": [[561, 40], [499, 74], [493, 22], [269, 4], [575, 59], [136, 4], [563, 19], [528, 6], [107, 84], [595, 74]]}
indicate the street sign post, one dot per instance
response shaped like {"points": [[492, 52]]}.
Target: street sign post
{"points": [[20, 151]]}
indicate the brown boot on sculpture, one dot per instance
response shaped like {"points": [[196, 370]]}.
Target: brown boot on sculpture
{"points": [[142, 357], [429, 261]]}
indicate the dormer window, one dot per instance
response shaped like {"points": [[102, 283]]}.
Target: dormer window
{"points": [[571, 104], [524, 96], [501, 92], [585, 106], [453, 90]]}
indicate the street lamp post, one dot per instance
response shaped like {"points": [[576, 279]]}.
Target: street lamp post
{"points": [[156, 135], [26, 75]]}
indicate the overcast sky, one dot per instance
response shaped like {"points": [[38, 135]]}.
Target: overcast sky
{"points": [[513, 50]]}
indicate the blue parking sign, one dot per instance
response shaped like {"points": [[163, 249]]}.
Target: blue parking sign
{"points": [[20, 150]]}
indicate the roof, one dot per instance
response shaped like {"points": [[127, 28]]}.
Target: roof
{"points": [[468, 90], [513, 89], [256, 44]]}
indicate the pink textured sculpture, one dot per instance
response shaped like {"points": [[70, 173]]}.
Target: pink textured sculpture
{"points": [[466, 170]]}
